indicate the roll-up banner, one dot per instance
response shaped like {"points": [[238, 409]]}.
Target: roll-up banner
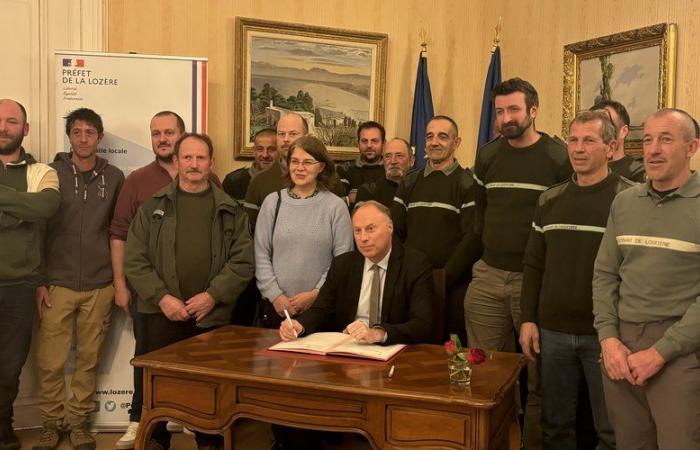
{"points": [[126, 90]]}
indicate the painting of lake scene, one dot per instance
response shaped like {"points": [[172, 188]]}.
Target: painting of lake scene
{"points": [[335, 79], [328, 84]]}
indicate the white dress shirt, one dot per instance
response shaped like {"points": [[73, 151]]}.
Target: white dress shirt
{"points": [[363, 303]]}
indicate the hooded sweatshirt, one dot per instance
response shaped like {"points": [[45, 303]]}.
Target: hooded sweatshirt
{"points": [[77, 236]]}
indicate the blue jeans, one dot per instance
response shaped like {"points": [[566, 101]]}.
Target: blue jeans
{"points": [[565, 358], [17, 309]]}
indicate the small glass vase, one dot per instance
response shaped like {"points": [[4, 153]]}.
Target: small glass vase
{"points": [[459, 371]]}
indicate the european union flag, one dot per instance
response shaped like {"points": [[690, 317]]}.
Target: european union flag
{"points": [[422, 110], [488, 111]]}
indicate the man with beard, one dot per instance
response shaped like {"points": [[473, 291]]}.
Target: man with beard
{"points": [[510, 173], [290, 127], [621, 163], [189, 255], [367, 167], [398, 159], [28, 195], [265, 152], [77, 293], [433, 210], [166, 128]]}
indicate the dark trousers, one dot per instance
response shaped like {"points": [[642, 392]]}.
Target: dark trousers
{"points": [[161, 333], [565, 360], [17, 309], [246, 306], [139, 324]]}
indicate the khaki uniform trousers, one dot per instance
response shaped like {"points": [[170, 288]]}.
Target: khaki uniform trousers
{"points": [[664, 413], [87, 313], [492, 315]]}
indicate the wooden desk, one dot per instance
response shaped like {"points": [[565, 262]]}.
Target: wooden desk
{"points": [[209, 381]]}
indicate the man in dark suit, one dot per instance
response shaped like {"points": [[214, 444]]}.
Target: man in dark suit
{"points": [[380, 293]]}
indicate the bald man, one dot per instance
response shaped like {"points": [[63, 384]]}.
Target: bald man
{"points": [[646, 295], [28, 195]]}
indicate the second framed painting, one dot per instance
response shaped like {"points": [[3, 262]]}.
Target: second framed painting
{"points": [[335, 79], [636, 68]]}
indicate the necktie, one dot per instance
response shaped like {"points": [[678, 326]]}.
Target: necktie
{"points": [[374, 295]]}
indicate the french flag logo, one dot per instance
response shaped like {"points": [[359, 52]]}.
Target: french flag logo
{"points": [[67, 62]]}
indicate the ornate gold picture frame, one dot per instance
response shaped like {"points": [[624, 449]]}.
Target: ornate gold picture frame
{"points": [[636, 68], [334, 78]]}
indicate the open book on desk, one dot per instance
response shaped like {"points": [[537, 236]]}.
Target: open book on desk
{"points": [[340, 344]]}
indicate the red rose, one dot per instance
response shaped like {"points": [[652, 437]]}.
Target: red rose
{"points": [[450, 347], [476, 356]]}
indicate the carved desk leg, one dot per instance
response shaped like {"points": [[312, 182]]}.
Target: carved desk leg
{"points": [[145, 424]]}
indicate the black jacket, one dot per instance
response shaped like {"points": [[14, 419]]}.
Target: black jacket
{"points": [[407, 311]]}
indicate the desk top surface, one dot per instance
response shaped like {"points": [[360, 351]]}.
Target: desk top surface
{"points": [[238, 353]]}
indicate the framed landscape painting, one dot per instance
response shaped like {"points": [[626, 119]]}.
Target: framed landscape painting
{"points": [[335, 79], [637, 68]]}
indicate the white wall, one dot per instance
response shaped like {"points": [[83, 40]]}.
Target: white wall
{"points": [[31, 31]]}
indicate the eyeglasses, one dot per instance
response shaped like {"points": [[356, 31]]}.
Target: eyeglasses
{"points": [[307, 163]]}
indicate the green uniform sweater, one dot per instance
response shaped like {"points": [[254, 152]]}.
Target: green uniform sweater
{"points": [[509, 181], [566, 232], [647, 266], [433, 212]]}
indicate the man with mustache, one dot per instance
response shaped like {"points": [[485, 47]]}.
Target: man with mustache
{"points": [[398, 159], [646, 295], [557, 305], [433, 210], [368, 166], [166, 128], [77, 293], [265, 152], [189, 255], [510, 173], [621, 163], [28, 195]]}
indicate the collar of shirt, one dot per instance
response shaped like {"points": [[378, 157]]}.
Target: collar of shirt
{"points": [[447, 170], [253, 170], [689, 189], [384, 263], [360, 163]]}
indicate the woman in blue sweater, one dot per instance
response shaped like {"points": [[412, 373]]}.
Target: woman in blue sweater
{"points": [[299, 231]]}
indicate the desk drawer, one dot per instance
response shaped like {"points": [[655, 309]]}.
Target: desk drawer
{"points": [[306, 403], [405, 425], [187, 395]]}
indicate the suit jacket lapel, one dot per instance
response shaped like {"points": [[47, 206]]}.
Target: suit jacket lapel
{"points": [[392, 275]]}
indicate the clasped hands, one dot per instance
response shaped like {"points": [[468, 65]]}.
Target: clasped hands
{"points": [[295, 304], [622, 364], [197, 307]]}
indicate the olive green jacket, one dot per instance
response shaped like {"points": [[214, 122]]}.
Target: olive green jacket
{"points": [[149, 260]]}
